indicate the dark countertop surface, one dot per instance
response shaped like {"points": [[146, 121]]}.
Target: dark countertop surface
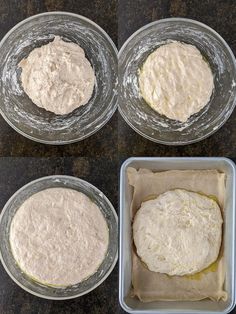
{"points": [[100, 144], [220, 15], [16, 172], [99, 164], [102, 172]]}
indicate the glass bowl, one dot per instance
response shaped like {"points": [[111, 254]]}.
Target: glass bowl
{"points": [[37, 123], [147, 122], [9, 262]]}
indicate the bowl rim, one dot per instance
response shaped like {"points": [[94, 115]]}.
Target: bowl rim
{"points": [[113, 108], [204, 26], [69, 178]]}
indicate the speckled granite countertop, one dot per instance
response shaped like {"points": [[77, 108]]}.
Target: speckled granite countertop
{"points": [[99, 162]]}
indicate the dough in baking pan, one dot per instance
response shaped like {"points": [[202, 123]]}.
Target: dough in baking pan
{"points": [[151, 286], [178, 233]]}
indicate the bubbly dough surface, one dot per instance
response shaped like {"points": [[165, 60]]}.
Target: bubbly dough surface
{"points": [[59, 236], [176, 81], [178, 233], [58, 77]]}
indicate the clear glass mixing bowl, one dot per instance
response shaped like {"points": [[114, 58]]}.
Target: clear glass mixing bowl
{"points": [[9, 262], [147, 122], [37, 123]]}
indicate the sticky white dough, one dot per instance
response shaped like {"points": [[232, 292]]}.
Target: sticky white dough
{"points": [[59, 237], [58, 77], [178, 233], [176, 81]]}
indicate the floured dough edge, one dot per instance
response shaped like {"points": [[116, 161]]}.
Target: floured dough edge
{"points": [[146, 226]]}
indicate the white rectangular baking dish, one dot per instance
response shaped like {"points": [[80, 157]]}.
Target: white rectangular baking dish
{"points": [[133, 305]]}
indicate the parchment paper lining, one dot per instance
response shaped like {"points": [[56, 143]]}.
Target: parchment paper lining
{"points": [[149, 286]]}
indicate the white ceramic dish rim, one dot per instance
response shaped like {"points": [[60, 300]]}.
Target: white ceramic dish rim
{"points": [[177, 19], [58, 177], [121, 218], [109, 115]]}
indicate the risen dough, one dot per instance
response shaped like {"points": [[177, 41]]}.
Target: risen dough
{"points": [[59, 236], [178, 233], [176, 81], [58, 77]]}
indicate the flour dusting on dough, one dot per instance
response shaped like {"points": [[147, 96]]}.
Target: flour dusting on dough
{"points": [[58, 77], [176, 81], [178, 233], [59, 237]]}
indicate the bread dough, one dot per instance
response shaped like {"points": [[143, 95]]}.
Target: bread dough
{"points": [[178, 233], [58, 77], [176, 81], [59, 237]]}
